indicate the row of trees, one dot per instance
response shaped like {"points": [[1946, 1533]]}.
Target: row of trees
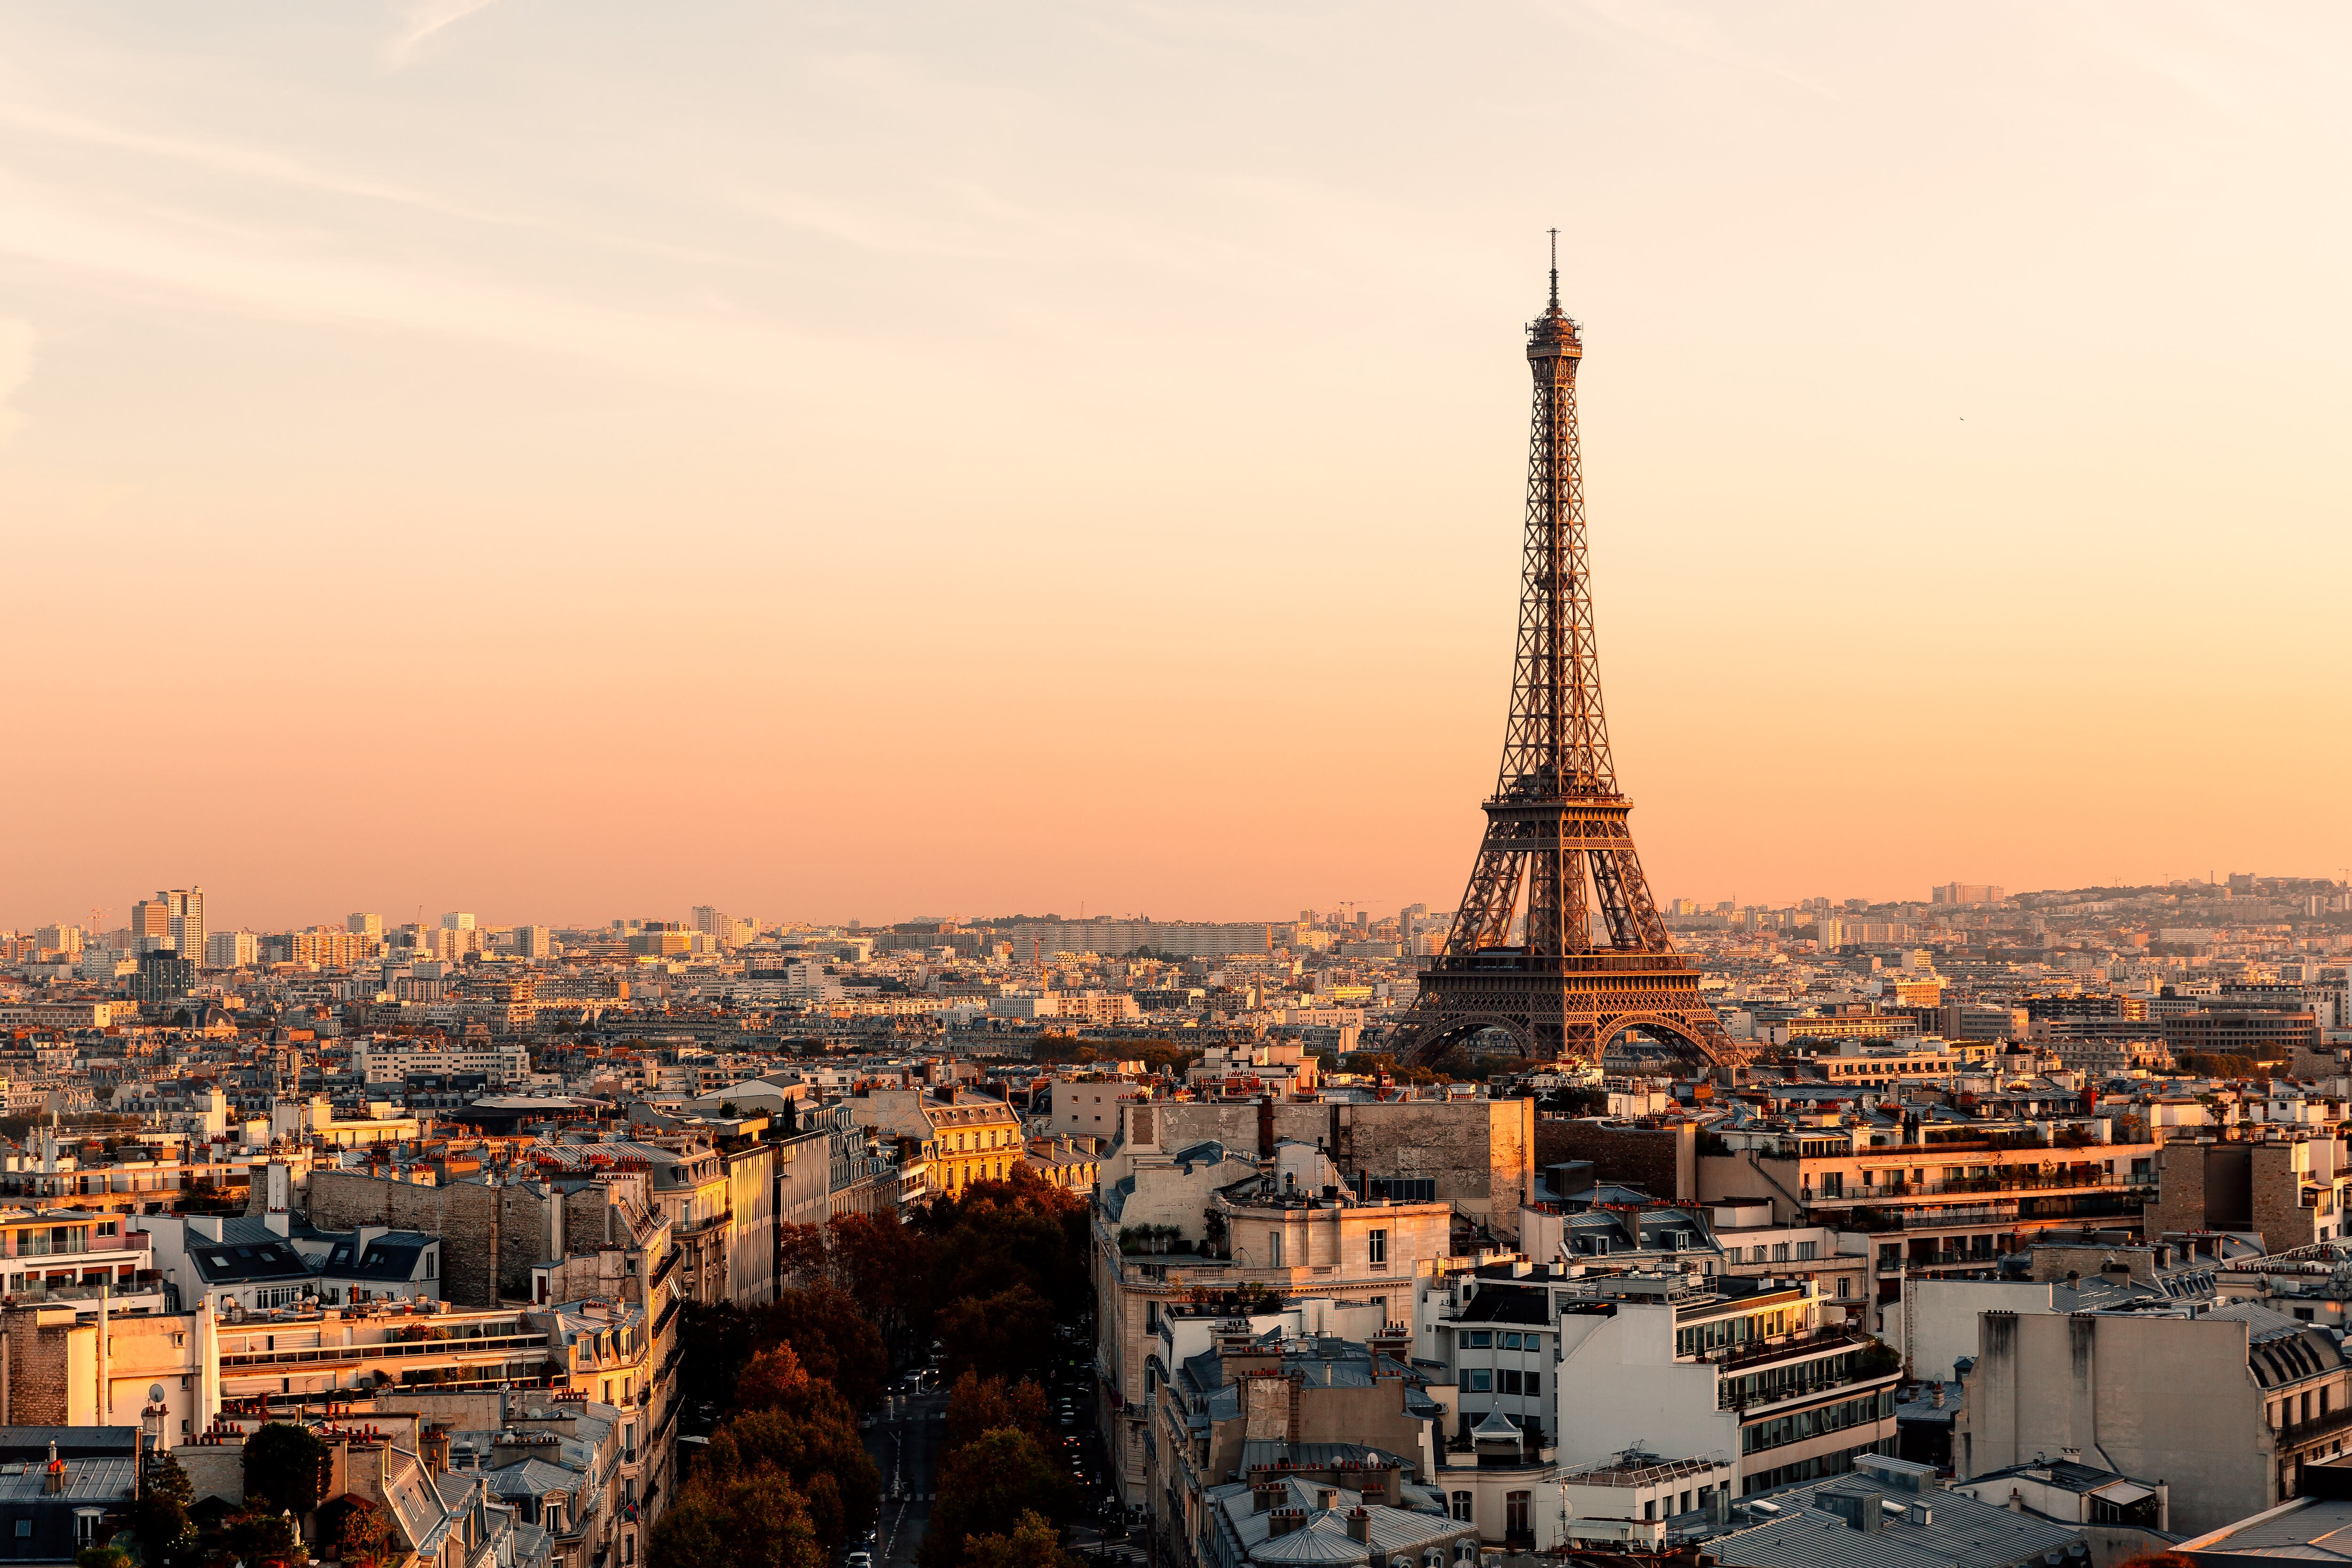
{"points": [[786, 1482], [1003, 1496]]}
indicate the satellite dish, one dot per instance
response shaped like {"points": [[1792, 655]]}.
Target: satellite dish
{"points": [[155, 1394]]}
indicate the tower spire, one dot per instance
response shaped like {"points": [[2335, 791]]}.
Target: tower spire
{"points": [[1555, 271]]}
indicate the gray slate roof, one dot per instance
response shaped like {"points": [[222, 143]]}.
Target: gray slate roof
{"points": [[1963, 1533]]}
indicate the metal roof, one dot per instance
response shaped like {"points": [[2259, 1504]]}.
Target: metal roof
{"points": [[87, 1481], [1962, 1532]]}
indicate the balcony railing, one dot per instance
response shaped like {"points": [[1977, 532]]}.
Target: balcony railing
{"points": [[1970, 1213], [2296, 1434], [2023, 1182], [1814, 1344], [397, 1348]]}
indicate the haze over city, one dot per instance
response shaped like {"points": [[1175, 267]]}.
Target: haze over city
{"points": [[864, 463]]}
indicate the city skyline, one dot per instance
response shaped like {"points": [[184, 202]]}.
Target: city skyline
{"points": [[385, 919], [510, 424]]}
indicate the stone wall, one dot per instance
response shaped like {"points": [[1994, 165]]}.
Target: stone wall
{"points": [[2275, 1188], [491, 1236], [1661, 1161], [52, 1380]]}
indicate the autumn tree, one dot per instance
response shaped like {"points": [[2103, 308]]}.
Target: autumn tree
{"points": [[1033, 1542], [736, 1519], [801, 1425], [1022, 1230], [804, 1255], [979, 1404], [831, 1336], [355, 1530], [987, 1485], [882, 1264], [1010, 1331]]}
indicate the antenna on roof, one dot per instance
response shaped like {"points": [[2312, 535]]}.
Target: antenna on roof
{"points": [[1555, 268]]}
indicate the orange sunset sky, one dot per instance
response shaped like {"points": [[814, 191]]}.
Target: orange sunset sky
{"points": [[830, 460]]}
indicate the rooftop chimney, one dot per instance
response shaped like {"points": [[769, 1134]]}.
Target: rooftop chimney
{"points": [[1283, 1521], [1265, 1496], [1360, 1525]]}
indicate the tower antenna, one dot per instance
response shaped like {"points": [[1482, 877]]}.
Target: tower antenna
{"points": [[1555, 268]]}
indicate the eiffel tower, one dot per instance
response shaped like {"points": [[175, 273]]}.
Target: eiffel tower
{"points": [[1557, 940]]}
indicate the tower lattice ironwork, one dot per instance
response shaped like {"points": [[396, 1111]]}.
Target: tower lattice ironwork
{"points": [[1556, 939]]}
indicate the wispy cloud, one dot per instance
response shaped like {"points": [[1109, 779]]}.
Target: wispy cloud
{"points": [[231, 159], [16, 340], [422, 20], [1688, 32], [273, 280]]}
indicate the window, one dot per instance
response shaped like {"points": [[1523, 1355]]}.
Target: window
{"points": [[1376, 1246], [1462, 1507], [1510, 1342], [1535, 1384], [1510, 1382], [1478, 1339], [432, 1263], [1845, 1287], [23, 1530], [1779, 1252], [1805, 1251], [1478, 1380], [1273, 1250], [1514, 1513]]}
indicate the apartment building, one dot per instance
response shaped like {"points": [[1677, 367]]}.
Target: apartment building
{"points": [[1476, 1156], [393, 1059], [1202, 1220], [2226, 1405], [1869, 1063], [960, 1137], [1088, 1106], [1746, 1372], [1257, 1390], [2287, 1183], [1934, 1196]]}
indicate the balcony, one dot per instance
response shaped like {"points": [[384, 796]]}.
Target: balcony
{"points": [[451, 1348], [2296, 1433], [2018, 1183], [1870, 1217], [1821, 1342]]}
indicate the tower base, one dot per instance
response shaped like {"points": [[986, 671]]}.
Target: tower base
{"points": [[1562, 1008]]}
